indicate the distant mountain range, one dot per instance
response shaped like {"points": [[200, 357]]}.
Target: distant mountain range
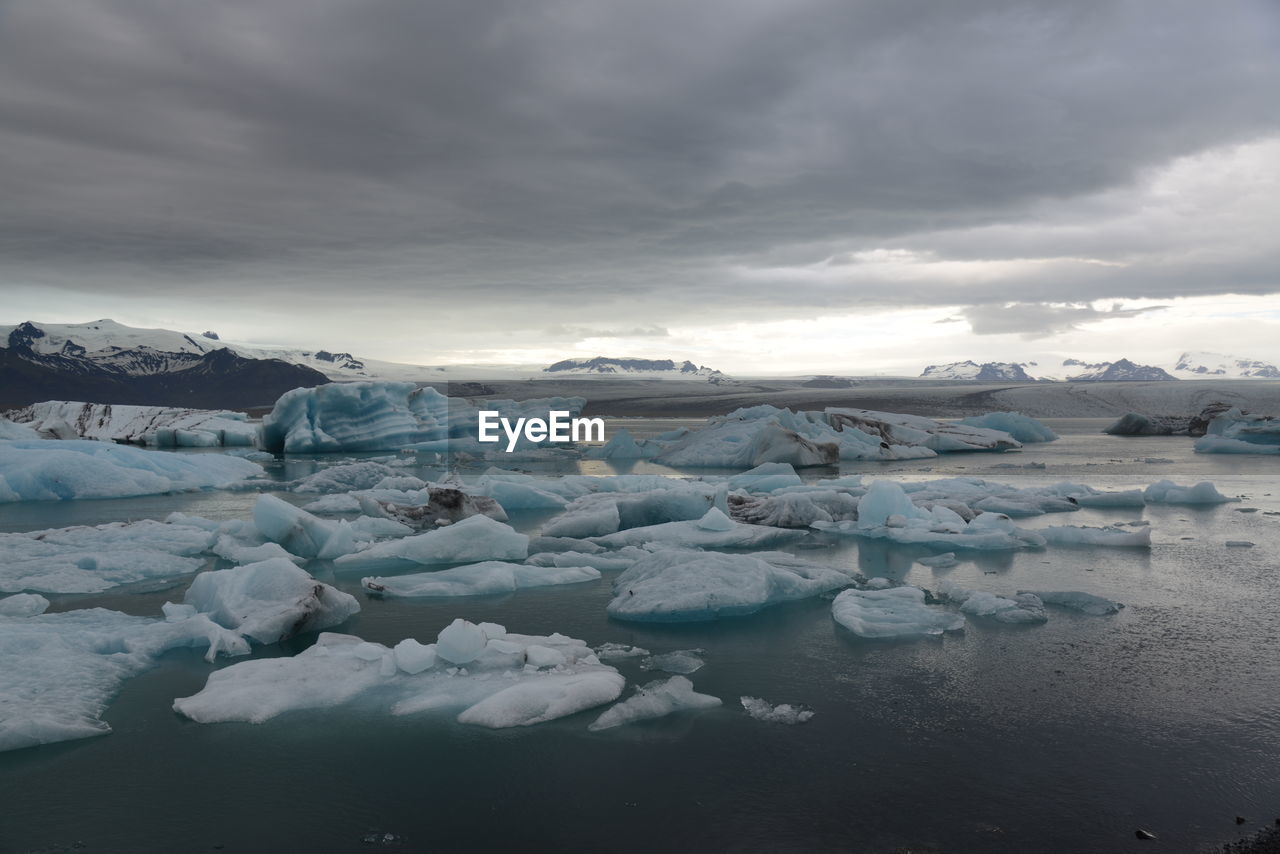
{"points": [[1188, 366], [109, 363], [609, 365]]}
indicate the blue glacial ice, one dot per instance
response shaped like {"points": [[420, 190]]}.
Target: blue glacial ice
{"points": [[52, 471], [897, 612], [379, 416], [1168, 492], [655, 700], [1021, 427], [681, 585], [1234, 432], [1022, 608]]}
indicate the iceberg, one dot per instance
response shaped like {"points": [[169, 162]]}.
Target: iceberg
{"points": [[61, 670], [269, 601], [478, 579], [600, 513], [382, 416], [1076, 535], [156, 426], [1023, 608], [898, 612], [657, 699], [679, 585], [295, 529], [1021, 427], [23, 605], [1087, 603], [782, 713], [793, 509], [714, 530], [499, 686], [1235, 432], [623, 446], [474, 539], [77, 469], [85, 559], [1168, 492]]}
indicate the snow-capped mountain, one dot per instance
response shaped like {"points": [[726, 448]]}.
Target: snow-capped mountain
{"points": [[1194, 365], [106, 362], [985, 372], [640, 367], [1121, 370]]}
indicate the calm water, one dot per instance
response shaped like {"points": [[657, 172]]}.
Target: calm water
{"points": [[1060, 737]]}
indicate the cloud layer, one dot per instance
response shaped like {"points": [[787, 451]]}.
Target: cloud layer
{"points": [[577, 170]]}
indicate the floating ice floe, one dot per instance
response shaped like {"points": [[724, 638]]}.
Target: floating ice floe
{"points": [[1234, 432], [269, 601], [682, 661], [898, 612], [887, 512], [1079, 535], [474, 539], [782, 713], [611, 651], [602, 513], [61, 670], [484, 674], [1021, 427], [623, 446], [52, 471], [84, 559], [1087, 603], [156, 426], [477, 579], [764, 434], [1022, 608], [714, 530], [377, 416], [680, 585], [655, 700], [1168, 492], [23, 605]]}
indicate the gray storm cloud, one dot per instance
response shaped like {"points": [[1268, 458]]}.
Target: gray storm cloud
{"points": [[564, 163]]}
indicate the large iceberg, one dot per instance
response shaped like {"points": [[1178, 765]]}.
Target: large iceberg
{"points": [[484, 674], [379, 416], [1021, 427], [84, 559], [1234, 432], [897, 612], [678, 585], [158, 426], [1168, 492], [485, 578], [52, 471], [602, 513]]}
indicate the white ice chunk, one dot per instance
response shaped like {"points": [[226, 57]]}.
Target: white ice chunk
{"points": [[460, 642], [655, 700], [270, 600], [1023, 608], [678, 585], [544, 699], [1019, 426], [782, 713], [1086, 602], [292, 527], [899, 612], [1168, 492], [23, 605], [476, 538], [477, 579]]}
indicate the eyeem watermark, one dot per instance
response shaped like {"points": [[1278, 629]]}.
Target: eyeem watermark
{"points": [[558, 427]]}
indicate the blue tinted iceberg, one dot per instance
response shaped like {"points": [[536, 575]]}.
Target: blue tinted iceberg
{"points": [[476, 538], [477, 579], [898, 612]]}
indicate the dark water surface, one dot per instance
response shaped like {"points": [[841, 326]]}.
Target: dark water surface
{"points": [[1061, 737]]}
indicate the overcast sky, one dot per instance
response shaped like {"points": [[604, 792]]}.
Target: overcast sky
{"points": [[791, 186]]}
